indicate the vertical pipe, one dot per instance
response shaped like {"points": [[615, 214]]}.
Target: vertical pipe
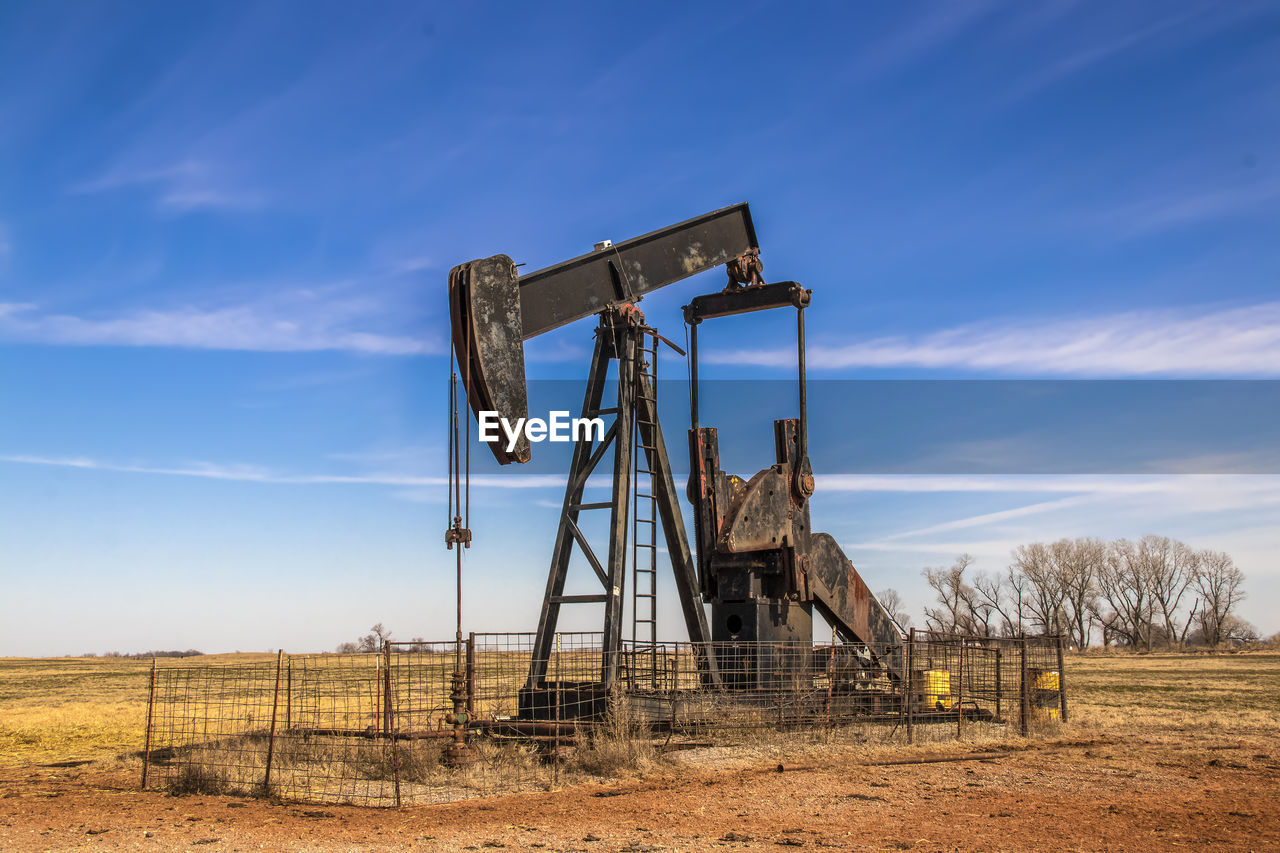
{"points": [[693, 376], [908, 693], [960, 691], [151, 702], [804, 395], [271, 738], [1024, 689], [1062, 682], [457, 636]]}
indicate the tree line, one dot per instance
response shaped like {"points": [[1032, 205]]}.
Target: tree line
{"points": [[1155, 592]]}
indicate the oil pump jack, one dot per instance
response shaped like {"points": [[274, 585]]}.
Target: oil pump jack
{"points": [[758, 564]]}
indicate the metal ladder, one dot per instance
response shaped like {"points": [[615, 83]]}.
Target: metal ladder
{"points": [[644, 529]]}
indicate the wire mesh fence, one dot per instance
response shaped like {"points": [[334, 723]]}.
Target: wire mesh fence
{"points": [[432, 722]]}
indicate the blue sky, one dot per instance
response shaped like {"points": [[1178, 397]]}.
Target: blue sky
{"points": [[225, 233]]}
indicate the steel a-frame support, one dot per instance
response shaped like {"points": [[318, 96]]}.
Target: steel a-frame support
{"points": [[618, 339]]}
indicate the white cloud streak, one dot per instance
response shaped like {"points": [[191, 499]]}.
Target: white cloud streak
{"points": [[255, 474], [179, 188], [299, 321], [1093, 504], [1241, 341]]}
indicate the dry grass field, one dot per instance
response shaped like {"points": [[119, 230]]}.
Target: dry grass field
{"points": [[76, 709], [1162, 752]]}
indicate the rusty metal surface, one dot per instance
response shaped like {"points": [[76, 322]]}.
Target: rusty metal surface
{"points": [[484, 304], [843, 599], [760, 514], [746, 269], [626, 271], [745, 300]]}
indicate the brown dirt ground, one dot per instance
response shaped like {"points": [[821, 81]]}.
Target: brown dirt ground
{"points": [[1079, 792]]}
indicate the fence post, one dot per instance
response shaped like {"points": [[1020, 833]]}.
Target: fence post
{"points": [[271, 738], [831, 679], [151, 702], [1062, 681], [471, 675], [377, 692], [386, 688], [675, 671], [288, 697], [999, 666], [556, 743], [960, 689], [1024, 689], [675, 685], [389, 720], [908, 694]]}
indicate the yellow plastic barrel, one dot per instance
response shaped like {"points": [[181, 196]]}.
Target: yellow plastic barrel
{"points": [[1045, 685], [935, 694]]}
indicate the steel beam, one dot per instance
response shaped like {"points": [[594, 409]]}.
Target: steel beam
{"points": [[626, 271]]}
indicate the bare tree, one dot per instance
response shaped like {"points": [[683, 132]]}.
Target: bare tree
{"points": [[1036, 563], [997, 601], [1124, 585], [1019, 595], [1171, 569], [891, 600], [1237, 630], [374, 640], [982, 613], [1219, 583], [990, 590], [1136, 593], [953, 614], [1077, 562]]}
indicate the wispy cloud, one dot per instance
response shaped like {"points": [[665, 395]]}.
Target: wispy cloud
{"points": [[1180, 342], [1064, 484], [989, 518], [411, 264], [294, 321], [1167, 211], [1092, 505], [1088, 56], [256, 474], [922, 36], [179, 187]]}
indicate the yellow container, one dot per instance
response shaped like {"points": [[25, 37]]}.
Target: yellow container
{"points": [[935, 689], [1045, 679], [1045, 686]]}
